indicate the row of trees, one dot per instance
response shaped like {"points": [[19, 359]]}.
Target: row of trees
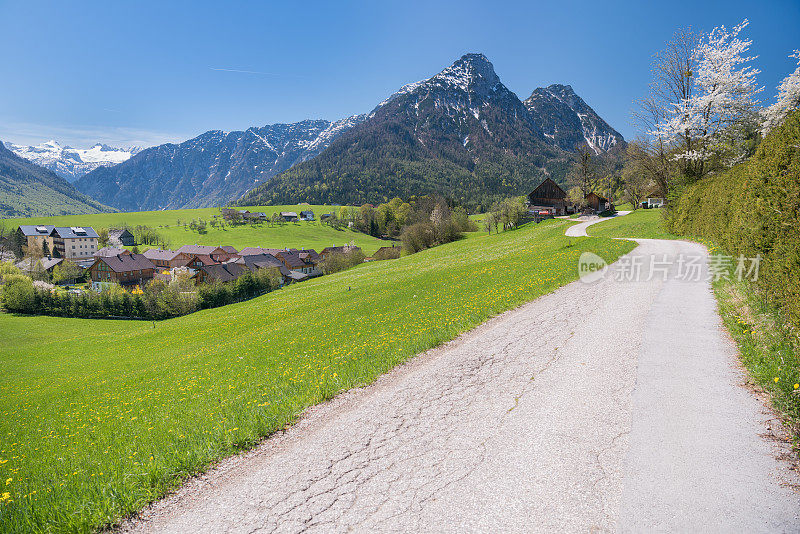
{"points": [[156, 300]]}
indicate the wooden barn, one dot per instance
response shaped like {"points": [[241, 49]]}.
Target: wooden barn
{"points": [[598, 203], [549, 195]]}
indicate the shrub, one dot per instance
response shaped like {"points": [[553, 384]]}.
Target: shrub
{"points": [[341, 261], [754, 209]]}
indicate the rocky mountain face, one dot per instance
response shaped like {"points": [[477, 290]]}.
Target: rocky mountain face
{"points": [[569, 122], [72, 163], [461, 133], [27, 190], [211, 169]]}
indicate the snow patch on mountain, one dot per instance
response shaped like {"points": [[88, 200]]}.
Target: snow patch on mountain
{"points": [[72, 163]]}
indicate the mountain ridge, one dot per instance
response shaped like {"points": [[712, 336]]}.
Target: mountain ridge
{"points": [[72, 163], [212, 168], [461, 133], [462, 128], [27, 190]]}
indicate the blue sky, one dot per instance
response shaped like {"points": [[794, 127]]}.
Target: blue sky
{"points": [[149, 72]]}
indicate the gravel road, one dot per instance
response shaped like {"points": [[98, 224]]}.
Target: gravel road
{"points": [[610, 406]]}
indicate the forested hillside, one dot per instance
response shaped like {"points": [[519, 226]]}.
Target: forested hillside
{"points": [[28, 190]]}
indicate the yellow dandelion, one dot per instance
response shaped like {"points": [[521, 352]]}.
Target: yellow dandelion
{"points": [[776, 379]]}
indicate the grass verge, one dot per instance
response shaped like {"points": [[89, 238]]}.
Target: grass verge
{"points": [[99, 417]]}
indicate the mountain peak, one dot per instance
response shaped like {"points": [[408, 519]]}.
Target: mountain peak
{"points": [[470, 71]]}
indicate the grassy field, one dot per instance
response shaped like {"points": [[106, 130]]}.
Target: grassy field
{"points": [[292, 235], [642, 224], [100, 417]]}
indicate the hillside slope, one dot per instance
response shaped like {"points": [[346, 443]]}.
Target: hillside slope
{"points": [[27, 190]]}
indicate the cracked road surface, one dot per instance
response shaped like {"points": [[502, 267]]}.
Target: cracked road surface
{"points": [[610, 406]]}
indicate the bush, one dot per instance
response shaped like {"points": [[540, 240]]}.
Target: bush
{"points": [[341, 261], [754, 209]]}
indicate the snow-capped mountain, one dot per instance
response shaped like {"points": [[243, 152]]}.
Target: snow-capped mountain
{"points": [[461, 133], [211, 169], [28, 190], [72, 163], [568, 121]]}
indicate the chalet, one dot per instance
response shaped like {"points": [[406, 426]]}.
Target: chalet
{"points": [[33, 265], [548, 196], [123, 269], [74, 242], [289, 216], [167, 259], [35, 235], [337, 250], [219, 272], [110, 251], [598, 203], [121, 237], [218, 254], [302, 261], [307, 215]]}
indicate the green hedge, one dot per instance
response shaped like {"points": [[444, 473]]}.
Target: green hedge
{"points": [[754, 208]]}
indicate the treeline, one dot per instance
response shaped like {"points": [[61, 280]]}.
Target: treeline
{"points": [[156, 300], [754, 209]]}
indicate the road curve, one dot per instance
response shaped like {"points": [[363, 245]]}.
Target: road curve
{"points": [[610, 406], [579, 230]]}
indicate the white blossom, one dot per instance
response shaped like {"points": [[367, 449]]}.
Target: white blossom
{"points": [[725, 85], [788, 99]]}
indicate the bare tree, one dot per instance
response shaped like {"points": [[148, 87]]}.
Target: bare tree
{"points": [[672, 84]]}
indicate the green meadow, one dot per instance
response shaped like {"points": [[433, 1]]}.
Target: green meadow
{"points": [[290, 235], [100, 417], [640, 224]]}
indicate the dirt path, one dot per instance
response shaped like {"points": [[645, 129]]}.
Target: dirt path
{"points": [[610, 406]]}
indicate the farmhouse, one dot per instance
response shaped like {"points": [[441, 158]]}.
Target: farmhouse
{"points": [[302, 261], [289, 216], [35, 235], [598, 203], [307, 215], [123, 269], [74, 242], [121, 237], [548, 196]]}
